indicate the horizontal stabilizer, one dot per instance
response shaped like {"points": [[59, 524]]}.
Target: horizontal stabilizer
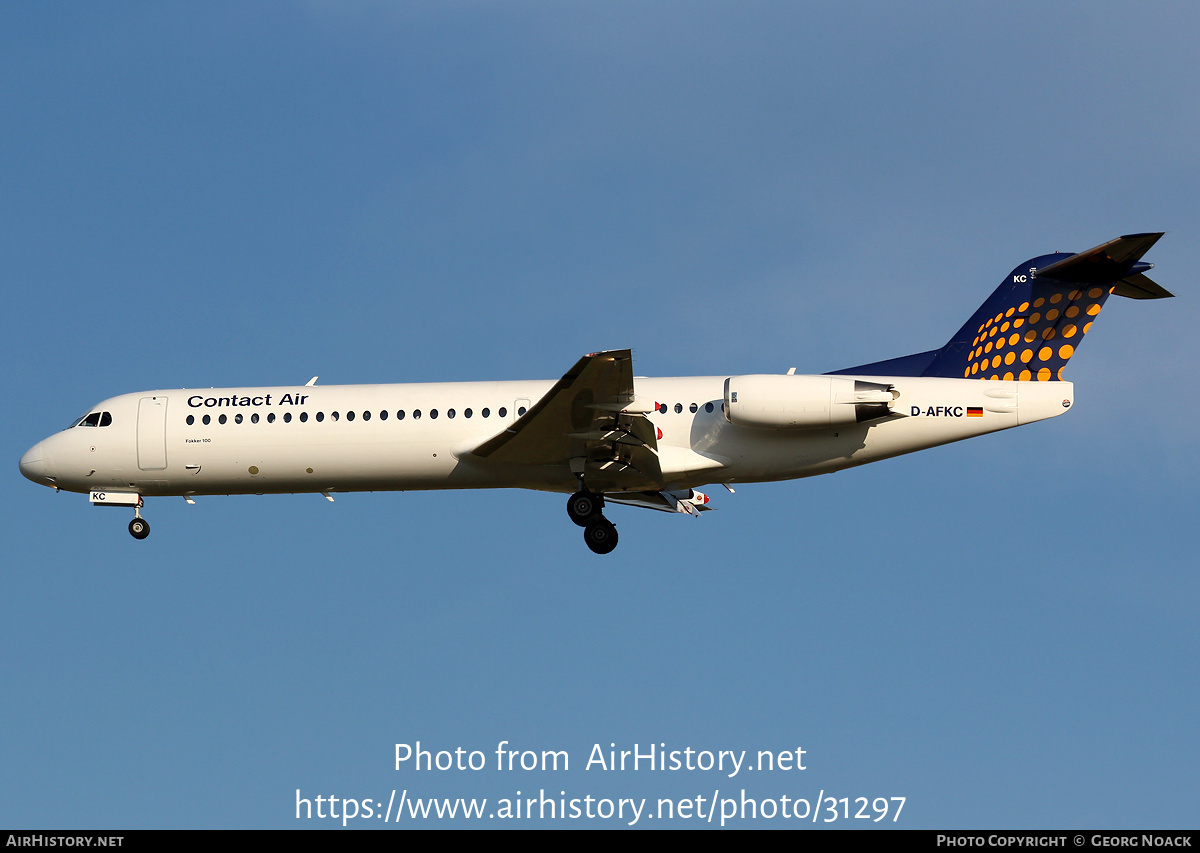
{"points": [[1141, 287], [1107, 262]]}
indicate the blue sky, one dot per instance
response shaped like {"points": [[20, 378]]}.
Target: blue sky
{"points": [[1002, 631]]}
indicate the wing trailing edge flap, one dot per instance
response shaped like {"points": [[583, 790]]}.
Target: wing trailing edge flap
{"points": [[685, 500], [585, 415]]}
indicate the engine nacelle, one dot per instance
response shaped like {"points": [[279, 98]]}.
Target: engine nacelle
{"points": [[804, 402]]}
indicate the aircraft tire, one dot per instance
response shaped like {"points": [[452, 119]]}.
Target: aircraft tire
{"points": [[584, 508], [139, 528], [601, 537]]}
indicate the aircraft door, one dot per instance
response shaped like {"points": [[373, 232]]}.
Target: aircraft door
{"points": [[152, 433]]}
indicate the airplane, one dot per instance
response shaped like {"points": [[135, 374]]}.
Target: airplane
{"points": [[601, 434]]}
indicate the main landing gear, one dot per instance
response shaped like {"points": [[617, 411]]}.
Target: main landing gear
{"points": [[585, 509]]}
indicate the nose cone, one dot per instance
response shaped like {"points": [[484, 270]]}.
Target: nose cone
{"points": [[33, 464]]}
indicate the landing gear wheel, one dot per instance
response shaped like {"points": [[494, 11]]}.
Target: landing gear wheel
{"points": [[601, 537], [139, 528], [584, 507]]}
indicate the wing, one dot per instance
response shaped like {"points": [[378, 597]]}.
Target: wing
{"points": [[588, 416]]}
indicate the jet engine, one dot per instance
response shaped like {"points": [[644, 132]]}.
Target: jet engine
{"points": [[805, 402]]}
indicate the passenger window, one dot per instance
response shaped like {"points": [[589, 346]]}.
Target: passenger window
{"points": [[416, 413], [692, 408], [254, 418], [304, 417], [433, 414], [708, 407], [502, 411], [207, 420], [521, 411], [320, 417], [678, 408], [191, 420], [485, 412], [466, 413], [334, 415], [383, 415], [349, 416], [367, 416], [287, 417], [270, 418], [222, 419], [237, 419], [400, 414], [450, 413]]}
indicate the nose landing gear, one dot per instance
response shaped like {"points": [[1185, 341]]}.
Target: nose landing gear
{"points": [[139, 528]]}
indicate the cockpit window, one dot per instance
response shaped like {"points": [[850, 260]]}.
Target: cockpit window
{"points": [[93, 419]]}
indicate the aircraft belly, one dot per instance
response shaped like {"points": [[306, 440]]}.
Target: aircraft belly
{"points": [[786, 454]]}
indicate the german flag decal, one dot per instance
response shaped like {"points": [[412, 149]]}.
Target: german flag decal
{"points": [[974, 411]]}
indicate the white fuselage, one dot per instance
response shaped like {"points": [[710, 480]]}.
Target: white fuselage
{"points": [[420, 436]]}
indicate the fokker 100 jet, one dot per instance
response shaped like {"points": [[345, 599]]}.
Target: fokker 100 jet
{"points": [[601, 434]]}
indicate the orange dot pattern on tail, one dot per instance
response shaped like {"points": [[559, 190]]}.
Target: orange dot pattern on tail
{"points": [[1051, 328]]}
